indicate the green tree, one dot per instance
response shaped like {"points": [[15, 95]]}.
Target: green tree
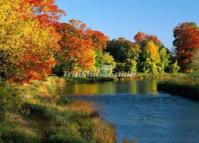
{"points": [[107, 64], [164, 59], [153, 56], [125, 54], [195, 62], [174, 68], [150, 58]]}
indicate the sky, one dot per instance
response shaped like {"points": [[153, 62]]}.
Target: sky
{"points": [[124, 18]]}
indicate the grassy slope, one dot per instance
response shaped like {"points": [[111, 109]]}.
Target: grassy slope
{"points": [[49, 118]]}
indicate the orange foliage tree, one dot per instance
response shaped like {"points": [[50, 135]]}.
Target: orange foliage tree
{"points": [[76, 51], [187, 44], [78, 46], [141, 37], [48, 14], [99, 39], [100, 44], [27, 47], [45, 10]]}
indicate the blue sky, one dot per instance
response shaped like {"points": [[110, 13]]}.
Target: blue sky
{"points": [[124, 18]]}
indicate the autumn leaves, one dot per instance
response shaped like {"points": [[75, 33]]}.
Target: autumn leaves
{"points": [[187, 44], [79, 46], [33, 42], [27, 45]]}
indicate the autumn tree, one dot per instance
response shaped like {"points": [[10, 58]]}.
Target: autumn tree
{"points": [[187, 44], [153, 57], [45, 10], [48, 14], [26, 46], [142, 38], [82, 49], [77, 48], [100, 43]]}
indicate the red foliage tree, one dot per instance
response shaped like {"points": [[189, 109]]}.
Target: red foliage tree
{"points": [[99, 39], [79, 45], [142, 37], [187, 43]]}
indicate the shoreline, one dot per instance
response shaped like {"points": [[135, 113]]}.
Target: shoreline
{"points": [[44, 115], [178, 88], [44, 106]]}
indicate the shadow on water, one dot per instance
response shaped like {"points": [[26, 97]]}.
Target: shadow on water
{"points": [[148, 117]]}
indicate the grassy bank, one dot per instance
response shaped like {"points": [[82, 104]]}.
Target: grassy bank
{"points": [[186, 85], [43, 116]]}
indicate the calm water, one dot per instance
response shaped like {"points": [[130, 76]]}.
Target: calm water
{"points": [[141, 113]]}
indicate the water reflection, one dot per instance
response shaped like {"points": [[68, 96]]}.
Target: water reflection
{"points": [[118, 87], [146, 119]]}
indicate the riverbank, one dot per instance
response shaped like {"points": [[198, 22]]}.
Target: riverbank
{"points": [[41, 115], [182, 85], [38, 113]]}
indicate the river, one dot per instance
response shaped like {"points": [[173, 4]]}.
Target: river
{"points": [[142, 113]]}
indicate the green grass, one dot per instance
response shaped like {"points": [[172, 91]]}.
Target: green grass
{"points": [[47, 117]]}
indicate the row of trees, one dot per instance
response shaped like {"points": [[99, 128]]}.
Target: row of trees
{"points": [[33, 42], [82, 49], [28, 39], [147, 54]]}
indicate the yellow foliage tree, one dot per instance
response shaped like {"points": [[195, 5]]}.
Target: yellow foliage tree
{"points": [[25, 46], [152, 50]]}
